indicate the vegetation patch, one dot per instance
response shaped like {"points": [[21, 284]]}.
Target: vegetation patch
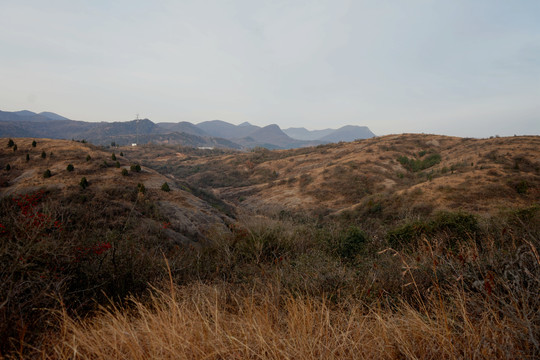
{"points": [[415, 165]]}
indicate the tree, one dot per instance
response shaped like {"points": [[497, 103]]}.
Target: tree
{"points": [[10, 143], [136, 167], [84, 183], [15, 147], [165, 187], [88, 158], [121, 154], [34, 143], [117, 164], [125, 172], [113, 157], [43, 154], [70, 167], [141, 188], [27, 157], [47, 174], [8, 167]]}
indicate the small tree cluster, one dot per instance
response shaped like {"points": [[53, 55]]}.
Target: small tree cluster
{"points": [[136, 167]]}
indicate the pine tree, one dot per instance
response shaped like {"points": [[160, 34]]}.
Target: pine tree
{"points": [[84, 183], [165, 187]]}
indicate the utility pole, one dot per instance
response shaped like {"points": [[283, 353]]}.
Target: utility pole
{"points": [[137, 127]]}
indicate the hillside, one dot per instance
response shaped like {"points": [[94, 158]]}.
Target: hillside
{"points": [[190, 217], [477, 175], [402, 246]]}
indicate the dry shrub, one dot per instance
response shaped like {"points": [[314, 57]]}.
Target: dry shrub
{"points": [[217, 322]]}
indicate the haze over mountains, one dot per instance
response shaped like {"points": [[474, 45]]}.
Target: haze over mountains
{"points": [[214, 133]]}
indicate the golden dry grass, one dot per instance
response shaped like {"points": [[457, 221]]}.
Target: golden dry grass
{"points": [[214, 322]]}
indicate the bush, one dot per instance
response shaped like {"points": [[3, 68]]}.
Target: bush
{"points": [[8, 167], [27, 157], [117, 164], [88, 158], [141, 188], [452, 226], [47, 174], [10, 143], [113, 157], [43, 154], [15, 147], [84, 183], [34, 143], [136, 167], [165, 187], [522, 187], [121, 154], [125, 172], [416, 165], [351, 243], [70, 167]]}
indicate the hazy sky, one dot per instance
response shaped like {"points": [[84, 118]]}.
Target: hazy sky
{"points": [[466, 68]]}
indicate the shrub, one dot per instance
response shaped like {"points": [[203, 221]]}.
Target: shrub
{"points": [[125, 172], [70, 167], [113, 157], [88, 158], [27, 157], [15, 147], [165, 187], [121, 154], [117, 164], [454, 226], [8, 167], [47, 174], [84, 183], [415, 165], [351, 243], [522, 187], [136, 167], [43, 154], [141, 188], [34, 143], [10, 143]]}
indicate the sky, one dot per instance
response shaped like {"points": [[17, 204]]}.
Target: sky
{"points": [[453, 67]]}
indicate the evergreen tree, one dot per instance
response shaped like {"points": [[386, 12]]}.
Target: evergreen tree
{"points": [[165, 187]]}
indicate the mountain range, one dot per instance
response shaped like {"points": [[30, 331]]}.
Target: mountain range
{"points": [[214, 133]]}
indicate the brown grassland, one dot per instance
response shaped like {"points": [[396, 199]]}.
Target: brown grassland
{"points": [[399, 247]]}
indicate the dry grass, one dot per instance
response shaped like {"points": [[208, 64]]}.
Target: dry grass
{"points": [[215, 322]]}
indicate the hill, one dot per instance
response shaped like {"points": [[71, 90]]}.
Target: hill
{"points": [[50, 125], [392, 174], [378, 244]]}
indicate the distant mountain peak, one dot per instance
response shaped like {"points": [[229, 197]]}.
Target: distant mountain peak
{"points": [[245, 123], [52, 116]]}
